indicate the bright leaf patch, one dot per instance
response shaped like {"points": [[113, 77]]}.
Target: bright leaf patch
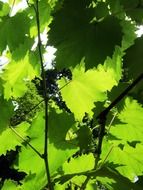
{"points": [[88, 87]]}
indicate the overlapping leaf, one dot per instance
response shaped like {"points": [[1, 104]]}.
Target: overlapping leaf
{"points": [[114, 65], [17, 73], [80, 28], [108, 177], [73, 169], [114, 180], [133, 59], [87, 87], [34, 181], [4, 9], [76, 34], [11, 35], [9, 185], [128, 28], [58, 147], [44, 16], [10, 138], [131, 121], [6, 111], [80, 164], [27, 155], [133, 9], [128, 161]]}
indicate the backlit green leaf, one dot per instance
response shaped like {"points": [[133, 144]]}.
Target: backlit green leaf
{"points": [[14, 137], [130, 160], [4, 9], [130, 127], [58, 146], [11, 35], [16, 74], [9, 185], [88, 87]]}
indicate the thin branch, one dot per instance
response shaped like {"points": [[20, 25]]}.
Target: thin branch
{"points": [[46, 99], [24, 140]]}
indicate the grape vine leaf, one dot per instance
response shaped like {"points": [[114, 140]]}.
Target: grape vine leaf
{"points": [[27, 155], [21, 51], [74, 30], [128, 28], [113, 180], [114, 64], [6, 111], [127, 161], [108, 177], [14, 138], [9, 35], [60, 187], [133, 10], [73, 169], [101, 10], [88, 87], [116, 8], [84, 134], [34, 181], [133, 58], [129, 5], [4, 9], [129, 128], [44, 17], [58, 147], [9, 185], [79, 164], [15, 76], [129, 36]]}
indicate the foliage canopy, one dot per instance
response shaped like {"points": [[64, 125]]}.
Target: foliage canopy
{"points": [[78, 125]]}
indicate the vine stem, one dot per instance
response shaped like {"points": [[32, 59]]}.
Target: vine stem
{"points": [[46, 99]]}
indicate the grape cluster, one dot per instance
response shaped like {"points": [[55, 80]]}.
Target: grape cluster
{"points": [[52, 87]]}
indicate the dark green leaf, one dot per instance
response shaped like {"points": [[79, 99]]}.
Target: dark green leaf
{"points": [[13, 31], [6, 111], [133, 59], [75, 34]]}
